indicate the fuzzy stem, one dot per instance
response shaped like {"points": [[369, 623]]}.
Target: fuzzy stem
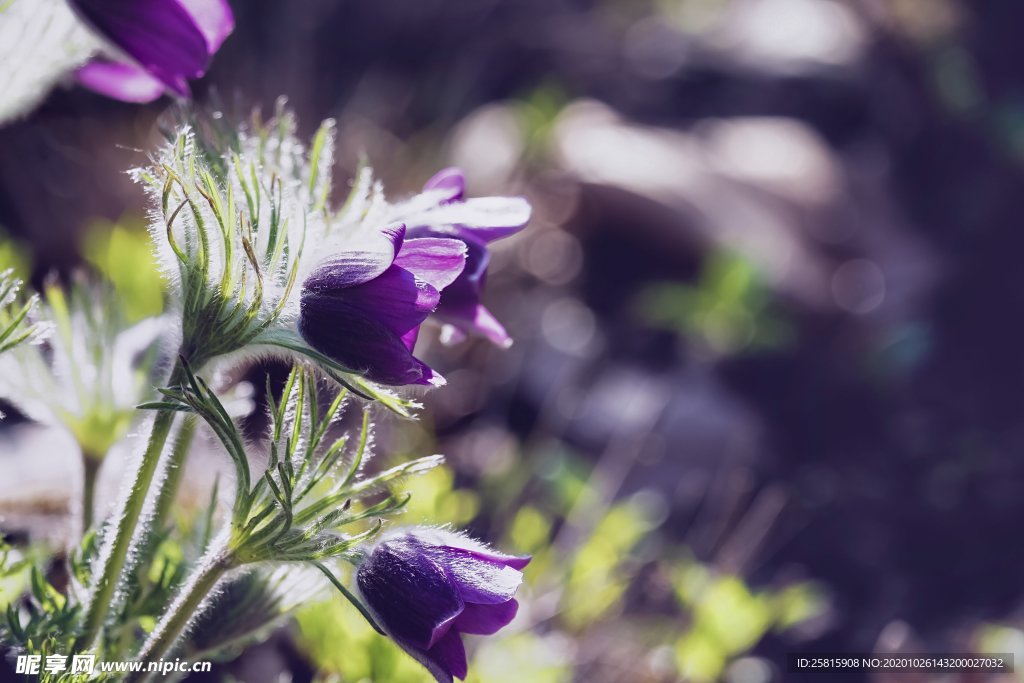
{"points": [[108, 576], [175, 468], [185, 607], [90, 475]]}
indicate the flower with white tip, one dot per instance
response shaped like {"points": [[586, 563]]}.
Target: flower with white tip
{"points": [[89, 374]]}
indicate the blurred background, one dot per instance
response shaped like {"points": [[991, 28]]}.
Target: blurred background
{"points": [[765, 395]]}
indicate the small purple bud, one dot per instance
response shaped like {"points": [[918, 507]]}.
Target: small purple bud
{"points": [[426, 587]]}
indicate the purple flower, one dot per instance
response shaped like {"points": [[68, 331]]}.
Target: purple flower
{"points": [[160, 44], [426, 587], [476, 222], [364, 307]]}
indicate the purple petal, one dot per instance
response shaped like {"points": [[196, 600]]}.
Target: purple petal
{"points": [[479, 578], [413, 597], [370, 328], [484, 218], [160, 35], [362, 345], [213, 18], [460, 302], [429, 376], [410, 337], [396, 299], [361, 262], [449, 654], [436, 261], [485, 620], [517, 562], [120, 81], [465, 291], [455, 541], [451, 181], [478, 319]]}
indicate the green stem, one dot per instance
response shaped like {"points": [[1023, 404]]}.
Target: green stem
{"points": [[185, 608], [175, 469], [356, 602], [107, 577], [90, 475]]}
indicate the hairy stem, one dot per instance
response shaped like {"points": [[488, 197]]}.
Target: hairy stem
{"points": [[90, 474], [175, 468], [107, 576], [186, 607]]}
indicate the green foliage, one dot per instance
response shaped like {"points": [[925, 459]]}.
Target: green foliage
{"points": [[537, 115], [16, 328], [14, 574], [1001, 639], [148, 592], [310, 504], [530, 530], [600, 570], [589, 579], [14, 257], [727, 617], [523, 656], [309, 490], [213, 234], [345, 645], [44, 620], [728, 310], [435, 500], [124, 255]]}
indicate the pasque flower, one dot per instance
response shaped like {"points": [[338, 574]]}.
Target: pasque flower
{"points": [[364, 308], [442, 211], [259, 262], [426, 587], [91, 371], [87, 376], [155, 46]]}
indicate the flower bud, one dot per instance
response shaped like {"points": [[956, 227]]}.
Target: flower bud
{"points": [[426, 587]]}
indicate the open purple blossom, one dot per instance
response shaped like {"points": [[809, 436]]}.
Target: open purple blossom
{"points": [[363, 307], [442, 211], [158, 45], [426, 587]]}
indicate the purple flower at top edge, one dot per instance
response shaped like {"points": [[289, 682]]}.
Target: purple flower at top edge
{"points": [[476, 222], [161, 44], [364, 307], [426, 587]]}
